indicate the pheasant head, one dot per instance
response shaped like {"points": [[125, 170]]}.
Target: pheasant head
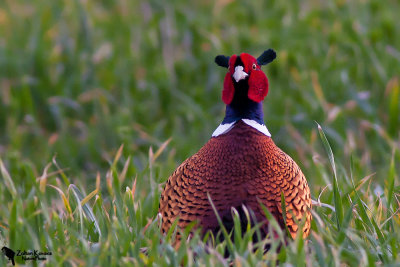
{"points": [[245, 77]]}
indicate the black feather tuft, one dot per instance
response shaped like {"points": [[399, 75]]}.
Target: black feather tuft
{"points": [[267, 57], [222, 61]]}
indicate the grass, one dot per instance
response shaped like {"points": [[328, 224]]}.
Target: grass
{"points": [[100, 102]]}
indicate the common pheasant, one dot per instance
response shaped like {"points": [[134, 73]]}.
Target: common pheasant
{"points": [[240, 165]]}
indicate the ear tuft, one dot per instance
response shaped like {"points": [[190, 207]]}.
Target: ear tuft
{"points": [[222, 61], [267, 57]]}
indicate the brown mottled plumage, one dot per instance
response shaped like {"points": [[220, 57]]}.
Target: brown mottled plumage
{"points": [[241, 166]]}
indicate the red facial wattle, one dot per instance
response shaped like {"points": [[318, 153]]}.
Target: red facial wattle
{"points": [[229, 88], [248, 61], [258, 86]]}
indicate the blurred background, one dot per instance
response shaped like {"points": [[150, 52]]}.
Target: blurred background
{"points": [[80, 78]]}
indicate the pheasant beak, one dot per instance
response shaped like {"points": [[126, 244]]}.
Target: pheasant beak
{"points": [[239, 74]]}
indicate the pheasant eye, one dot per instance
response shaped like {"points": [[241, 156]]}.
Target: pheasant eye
{"points": [[254, 66]]}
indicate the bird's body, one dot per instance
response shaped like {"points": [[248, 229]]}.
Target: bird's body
{"points": [[239, 166]]}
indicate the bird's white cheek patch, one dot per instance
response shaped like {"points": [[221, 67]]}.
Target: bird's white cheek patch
{"points": [[239, 74]]}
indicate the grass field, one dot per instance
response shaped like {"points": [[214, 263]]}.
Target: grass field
{"points": [[101, 100]]}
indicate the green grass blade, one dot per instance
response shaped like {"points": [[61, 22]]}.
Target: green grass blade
{"points": [[88, 212], [222, 227], [284, 216], [390, 196], [336, 193], [7, 179], [390, 181]]}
